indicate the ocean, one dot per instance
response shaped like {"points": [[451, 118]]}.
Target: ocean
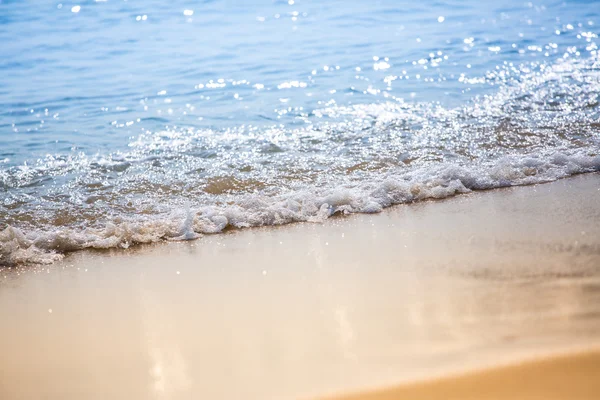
{"points": [[126, 122]]}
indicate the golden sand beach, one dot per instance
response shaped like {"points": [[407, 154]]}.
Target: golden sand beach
{"points": [[572, 376], [414, 294]]}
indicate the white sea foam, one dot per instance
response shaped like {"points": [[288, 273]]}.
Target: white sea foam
{"points": [[431, 182]]}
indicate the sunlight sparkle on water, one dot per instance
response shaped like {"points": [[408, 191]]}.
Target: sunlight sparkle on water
{"points": [[229, 103]]}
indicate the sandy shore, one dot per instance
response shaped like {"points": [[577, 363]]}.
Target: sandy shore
{"points": [[573, 376], [311, 310]]}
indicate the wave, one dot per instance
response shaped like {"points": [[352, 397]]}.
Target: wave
{"points": [[433, 182], [542, 123]]}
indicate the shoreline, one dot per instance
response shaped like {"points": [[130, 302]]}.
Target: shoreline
{"points": [[22, 247], [299, 311]]}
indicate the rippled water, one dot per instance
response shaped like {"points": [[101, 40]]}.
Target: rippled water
{"points": [[133, 121]]}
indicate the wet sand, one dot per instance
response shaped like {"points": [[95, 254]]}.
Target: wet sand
{"points": [[314, 310]]}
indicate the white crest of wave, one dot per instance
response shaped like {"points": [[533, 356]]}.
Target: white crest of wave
{"points": [[432, 182]]}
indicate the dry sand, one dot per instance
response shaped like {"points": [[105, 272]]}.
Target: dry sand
{"points": [[574, 377], [311, 310]]}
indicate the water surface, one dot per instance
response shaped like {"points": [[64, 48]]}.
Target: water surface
{"points": [[126, 121]]}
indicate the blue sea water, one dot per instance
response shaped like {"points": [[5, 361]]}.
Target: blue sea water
{"points": [[126, 121]]}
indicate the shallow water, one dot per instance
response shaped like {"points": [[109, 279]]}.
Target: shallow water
{"points": [[124, 122]]}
